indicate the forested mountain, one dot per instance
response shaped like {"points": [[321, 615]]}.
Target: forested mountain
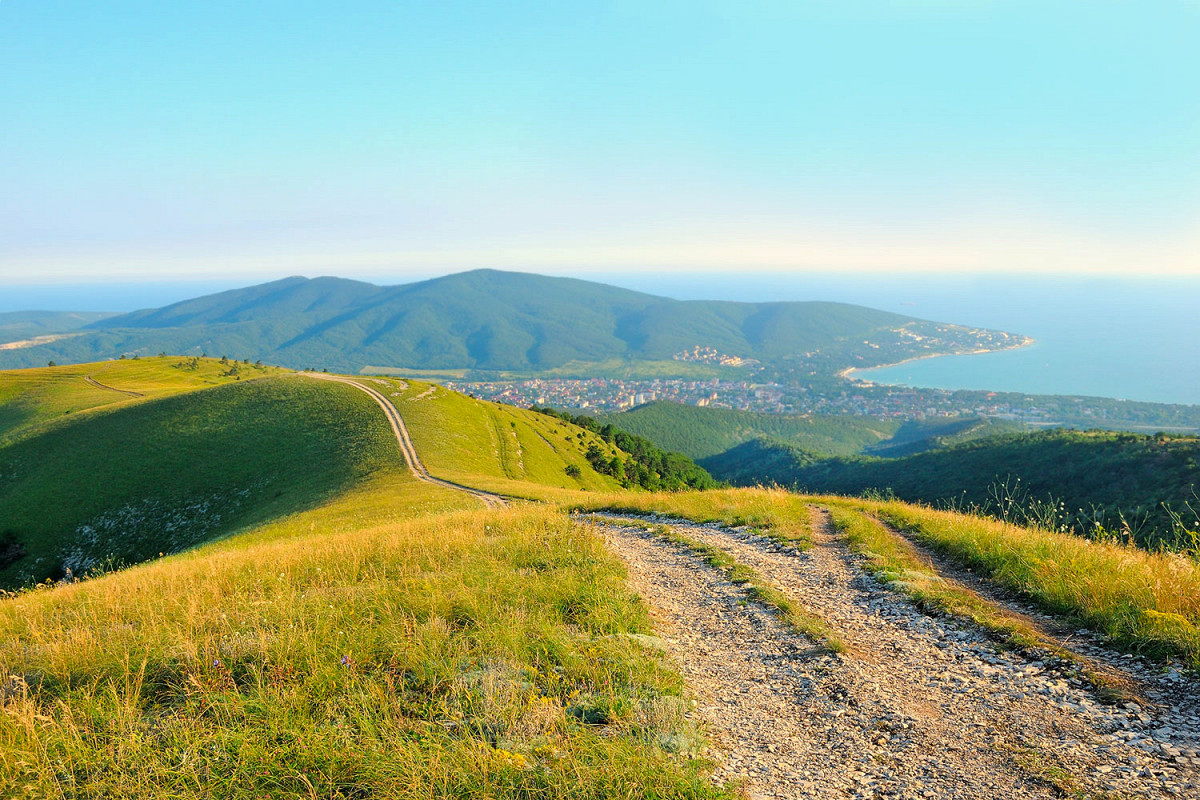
{"points": [[490, 320]]}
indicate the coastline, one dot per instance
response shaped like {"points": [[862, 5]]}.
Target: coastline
{"points": [[848, 372]]}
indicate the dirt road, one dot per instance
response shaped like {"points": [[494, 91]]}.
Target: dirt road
{"points": [[406, 446], [100, 385], [918, 706]]}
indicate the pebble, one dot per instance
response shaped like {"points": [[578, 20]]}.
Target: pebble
{"points": [[921, 706]]}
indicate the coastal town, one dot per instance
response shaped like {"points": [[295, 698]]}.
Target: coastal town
{"points": [[843, 395]]}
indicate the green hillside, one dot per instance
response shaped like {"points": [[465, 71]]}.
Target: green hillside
{"points": [[505, 449], [352, 632], [33, 398], [704, 432], [490, 320], [162, 475], [174, 452], [1059, 478]]}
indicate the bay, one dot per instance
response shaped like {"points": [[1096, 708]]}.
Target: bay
{"points": [[1127, 338]]}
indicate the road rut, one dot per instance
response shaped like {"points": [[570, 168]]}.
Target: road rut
{"points": [[918, 707]]}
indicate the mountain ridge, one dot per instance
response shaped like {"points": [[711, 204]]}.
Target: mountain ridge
{"points": [[491, 320]]}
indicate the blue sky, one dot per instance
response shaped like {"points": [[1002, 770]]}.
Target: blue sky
{"points": [[258, 139]]}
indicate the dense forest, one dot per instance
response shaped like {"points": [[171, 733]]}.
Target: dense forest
{"points": [[647, 466], [703, 432]]}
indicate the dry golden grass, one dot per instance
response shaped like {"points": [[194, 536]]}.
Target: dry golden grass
{"points": [[347, 654]]}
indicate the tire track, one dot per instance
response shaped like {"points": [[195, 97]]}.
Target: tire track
{"points": [[100, 385], [921, 706]]}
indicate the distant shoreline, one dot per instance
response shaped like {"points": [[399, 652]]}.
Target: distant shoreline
{"points": [[848, 372]]}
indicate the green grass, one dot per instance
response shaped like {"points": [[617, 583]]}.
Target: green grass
{"points": [[492, 446], [129, 481], [782, 516], [1144, 602], [477, 653], [30, 399], [363, 634]]}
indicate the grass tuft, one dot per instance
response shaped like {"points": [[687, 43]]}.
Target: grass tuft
{"points": [[755, 587], [466, 654]]}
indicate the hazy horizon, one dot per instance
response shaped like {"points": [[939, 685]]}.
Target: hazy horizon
{"points": [[241, 140]]}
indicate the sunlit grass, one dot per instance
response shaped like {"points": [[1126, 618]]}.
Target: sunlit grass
{"points": [[777, 513], [1146, 602], [464, 654], [33, 398], [495, 447]]}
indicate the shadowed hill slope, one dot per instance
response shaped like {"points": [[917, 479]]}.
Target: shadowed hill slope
{"points": [[198, 454], [705, 432], [127, 483]]}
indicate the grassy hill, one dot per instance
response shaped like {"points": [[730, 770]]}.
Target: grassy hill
{"points": [[175, 452], [703, 432], [161, 475], [340, 628], [33, 398], [506, 449], [490, 320], [1088, 482], [362, 634]]}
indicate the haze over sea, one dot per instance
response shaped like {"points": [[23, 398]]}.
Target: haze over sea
{"points": [[1132, 339]]}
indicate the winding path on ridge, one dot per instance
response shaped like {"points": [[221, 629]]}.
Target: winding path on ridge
{"points": [[100, 385], [406, 446], [918, 707]]}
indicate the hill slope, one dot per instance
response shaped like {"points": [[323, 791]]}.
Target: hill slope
{"points": [[179, 455], [162, 475], [33, 398], [381, 642], [1059, 478], [705, 432], [490, 320]]}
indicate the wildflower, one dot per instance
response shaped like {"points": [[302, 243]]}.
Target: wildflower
{"points": [[345, 661], [216, 662]]}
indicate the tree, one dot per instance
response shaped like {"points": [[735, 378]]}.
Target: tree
{"points": [[52, 364], [573, 470]]}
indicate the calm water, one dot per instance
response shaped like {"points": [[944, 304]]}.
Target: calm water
{"points": [[1131, 339]]}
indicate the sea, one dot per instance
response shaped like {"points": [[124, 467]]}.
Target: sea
{"points": [[1132, 339], [1129, 338]]}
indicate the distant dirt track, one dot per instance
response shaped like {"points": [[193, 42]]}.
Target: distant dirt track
{"points": [[406, 446], [100, 385]]}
